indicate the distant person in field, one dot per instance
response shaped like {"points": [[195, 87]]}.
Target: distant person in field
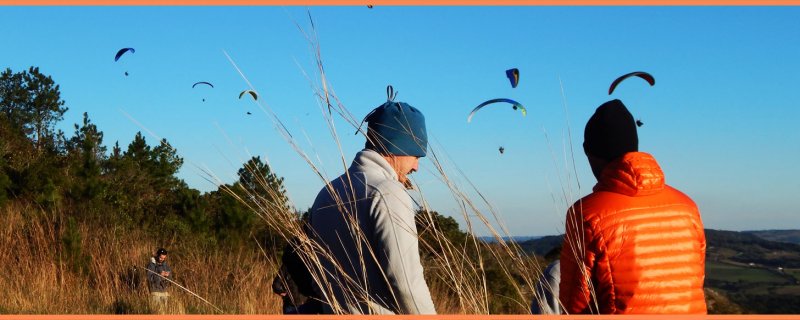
{"points": [[365, 221], [158, 271], [634, 245]]}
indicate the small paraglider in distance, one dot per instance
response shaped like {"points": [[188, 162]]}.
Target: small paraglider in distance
{"points": [[249, 113], [639, 123], [514, 105], [641, 74], [502, 150], [369, 6], [251, 92], [513, 76], [123, 51], [205, 83], [202, 82], [120, 53]]}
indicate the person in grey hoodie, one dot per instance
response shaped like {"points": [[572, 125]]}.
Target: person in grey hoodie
{"points": [[545, 301], [158, 271], [364, 222]]}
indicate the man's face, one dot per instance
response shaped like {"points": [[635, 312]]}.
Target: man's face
{"points": [[162, 257], [404, 165]]}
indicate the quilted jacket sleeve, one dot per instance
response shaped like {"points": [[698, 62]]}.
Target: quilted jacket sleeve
{"points": [[577, 262]]}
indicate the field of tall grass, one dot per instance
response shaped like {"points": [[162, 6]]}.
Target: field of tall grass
{"points": [[47, 273]]}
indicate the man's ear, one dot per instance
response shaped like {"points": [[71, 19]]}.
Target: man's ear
{"points": [[597, 164]]}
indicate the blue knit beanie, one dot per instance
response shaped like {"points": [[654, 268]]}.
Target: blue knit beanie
{"points": [[397, 128]]}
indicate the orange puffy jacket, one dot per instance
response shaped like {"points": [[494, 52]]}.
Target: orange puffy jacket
{"points": [[634, 245]]}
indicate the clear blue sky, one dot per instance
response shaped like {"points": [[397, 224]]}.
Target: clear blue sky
{"points": [[721, 119]]}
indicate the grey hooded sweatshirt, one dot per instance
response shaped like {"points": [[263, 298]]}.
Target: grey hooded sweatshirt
{"points": [[365, 221], [154, 280]]}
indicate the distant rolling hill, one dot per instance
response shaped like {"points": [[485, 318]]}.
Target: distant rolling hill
{"points": [[747, 247], [541, 246], [743, 247], [517, 239], [789, 236]]}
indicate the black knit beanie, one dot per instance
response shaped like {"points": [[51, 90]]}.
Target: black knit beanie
{"points": [[611, 132]]}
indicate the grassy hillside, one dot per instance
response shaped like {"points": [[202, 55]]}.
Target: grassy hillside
{"points": [[747, 248], [726, 272]]}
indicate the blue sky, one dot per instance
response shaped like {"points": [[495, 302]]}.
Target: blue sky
{"points": [[721, 118]]}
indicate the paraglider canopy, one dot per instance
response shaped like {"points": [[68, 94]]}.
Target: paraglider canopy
{"points": [[502, 150], [513, 76], [202, 82], [641, 74], [251, 92], [123, 51], [514, 105]]}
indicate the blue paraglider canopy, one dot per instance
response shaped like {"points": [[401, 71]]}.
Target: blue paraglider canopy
{"points": [[123, 51]]}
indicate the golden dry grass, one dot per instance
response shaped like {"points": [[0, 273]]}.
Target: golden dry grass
{"points": [[40, 279]]}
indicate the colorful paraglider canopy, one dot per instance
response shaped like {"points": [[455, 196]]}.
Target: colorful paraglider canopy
{"points": [[513, 76], [123, 51], [514, 105], [202, 82], [641, 74], [251, 92]]}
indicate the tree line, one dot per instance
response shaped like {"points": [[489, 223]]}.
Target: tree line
{"points": [[133, 186]]}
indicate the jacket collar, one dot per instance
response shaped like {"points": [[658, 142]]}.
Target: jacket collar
{"points": [[372, 161], [634, 174]]}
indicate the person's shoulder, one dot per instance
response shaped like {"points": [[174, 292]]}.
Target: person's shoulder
{"points": [[391, 193], [679, 196], [388, 186], [590, 202], [388, 189]]}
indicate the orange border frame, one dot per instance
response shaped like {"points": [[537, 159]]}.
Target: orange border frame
{"points": [[400, 2], [402, 317]]}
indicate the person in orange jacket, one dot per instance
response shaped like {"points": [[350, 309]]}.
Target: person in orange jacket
{"points": [[634, 245]]}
